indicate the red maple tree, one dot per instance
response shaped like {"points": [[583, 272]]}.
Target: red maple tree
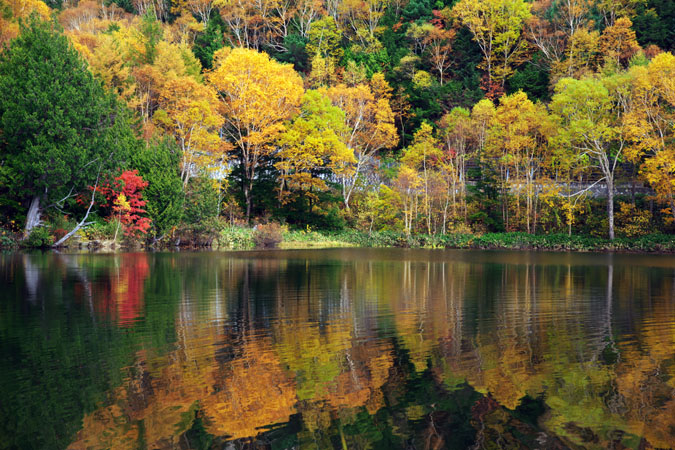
{"points": [[124, 197]]}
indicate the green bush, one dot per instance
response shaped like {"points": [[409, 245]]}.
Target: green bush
{"points": [[649, 243], [456, 240], [267, 235], [237, 238], [202, 233], [102, 230], [201, 201], [39, 238], [7, 240]]}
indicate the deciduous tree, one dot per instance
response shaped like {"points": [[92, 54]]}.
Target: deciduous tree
{"points": [[650, 123], [519, 139], [311, 145], [370, 127], [457, 129], [422, 156], [257, 95], [189, 112], [589, 115], [496, 26], [124, 199], [618, 42]]}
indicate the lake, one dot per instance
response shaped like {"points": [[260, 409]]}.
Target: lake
{"points": [[342, 348]]}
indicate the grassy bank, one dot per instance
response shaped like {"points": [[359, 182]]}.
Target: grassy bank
{"points": [[244, 238], [275, 236]]}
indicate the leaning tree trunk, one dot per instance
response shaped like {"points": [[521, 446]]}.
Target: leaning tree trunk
{"points": [[82, 223], [33, 217]]}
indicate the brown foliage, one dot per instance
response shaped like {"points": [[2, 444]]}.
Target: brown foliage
{"points": [[267, 235]]}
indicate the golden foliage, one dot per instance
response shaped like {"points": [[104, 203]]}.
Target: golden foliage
{"points": [[189, 112]]}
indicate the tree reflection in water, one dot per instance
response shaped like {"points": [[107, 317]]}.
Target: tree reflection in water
{"points": [[338, 349]]}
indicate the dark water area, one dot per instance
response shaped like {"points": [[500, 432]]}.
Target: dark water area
{"points": [[344, 348]]}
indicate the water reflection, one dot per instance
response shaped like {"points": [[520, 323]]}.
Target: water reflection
{"points": [[337, 349]]}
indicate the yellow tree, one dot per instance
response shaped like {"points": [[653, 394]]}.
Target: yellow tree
{"points": [[457, 129], [362, 19], [591, 123], [422, 156], [81, 16], [483, 114], [651, 124], [306, 12], [439, 49], [407, 184], [370, 127], [252, 23], [548, 34], [519, 138], [108, 62], [147, 81], [561, 30], [311, 145], [618, 42], [189, 112], [323, 71], [582, 54], [201, 8], [150, 79], [257, 95], [613, 10], [16, 10], [185, 28], [496, 26]]}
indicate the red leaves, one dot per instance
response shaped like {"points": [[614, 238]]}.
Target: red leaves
{"points": [[125, 199], [493, 89], [439, 19]]}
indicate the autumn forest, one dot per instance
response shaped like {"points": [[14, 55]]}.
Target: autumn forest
{"points": [[166, 121]]}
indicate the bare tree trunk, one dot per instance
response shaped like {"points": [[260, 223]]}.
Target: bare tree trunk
{"points": [[610, 207], [33, 217], [528, 206], [570, 211], [535, 207], [82, 222], [247, 197]]}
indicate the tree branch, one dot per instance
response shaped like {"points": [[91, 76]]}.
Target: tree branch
{"points": [[83, 222]]}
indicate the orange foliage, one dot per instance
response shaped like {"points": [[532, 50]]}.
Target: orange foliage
{"points": [[251, 392]]}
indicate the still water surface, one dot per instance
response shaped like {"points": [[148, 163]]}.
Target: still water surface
{"points": [[346, 348]]}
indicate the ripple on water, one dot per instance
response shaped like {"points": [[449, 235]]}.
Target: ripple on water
{"points": [[337, 348]]}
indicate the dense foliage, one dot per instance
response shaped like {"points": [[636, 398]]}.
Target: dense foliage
{"points": [[396, 116]]}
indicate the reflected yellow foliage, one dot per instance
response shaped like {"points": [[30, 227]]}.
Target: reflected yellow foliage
{"points": [[250, 393], [321, 357]]}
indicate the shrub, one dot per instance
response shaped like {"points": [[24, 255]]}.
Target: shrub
{"points": [[201, 201], [238, 238], [102, 230], [6, 239], [631, 221], [267, 235], [39, 238], [200, 234]]}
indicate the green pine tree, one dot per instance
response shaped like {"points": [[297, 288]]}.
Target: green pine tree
{"points": [[59, 130]]}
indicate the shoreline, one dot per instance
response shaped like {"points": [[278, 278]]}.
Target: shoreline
{"points": [[241, 239]]}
